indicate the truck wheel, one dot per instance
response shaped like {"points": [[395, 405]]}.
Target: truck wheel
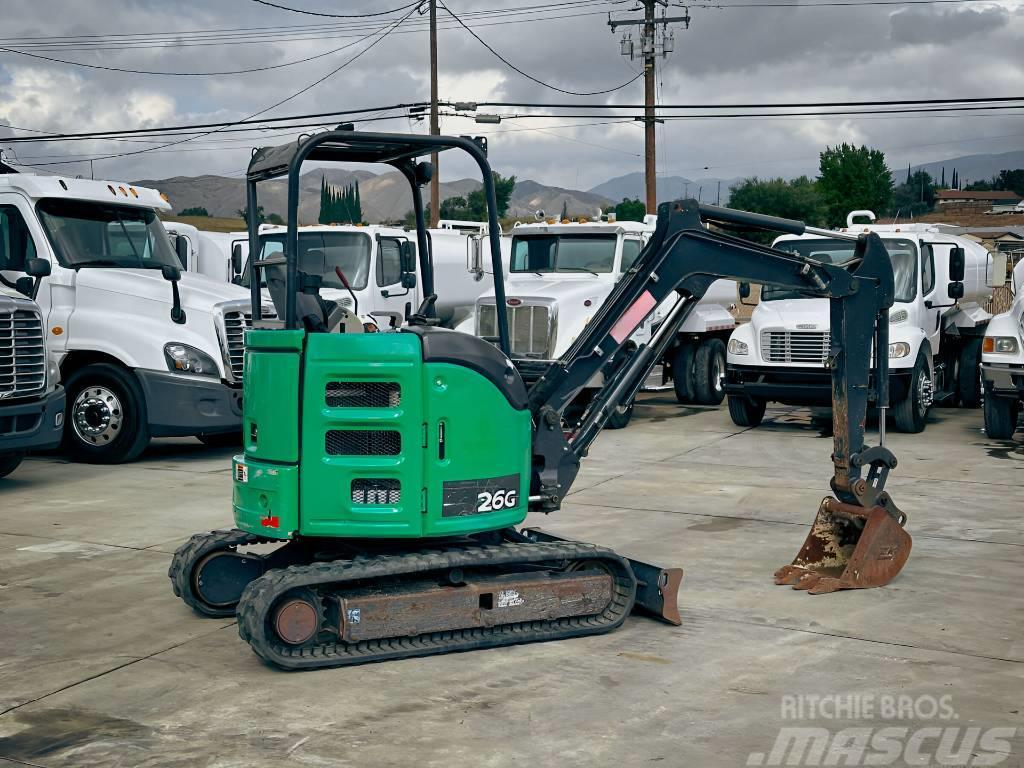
{"points": [[620, 417], [745, 411], [911, 413], [1001, 415], [682, 373], [970, 374], [709, 372], [9, 462], [221, 439], [106, 419]]}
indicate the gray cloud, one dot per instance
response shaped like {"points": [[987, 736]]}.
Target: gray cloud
{"points": [[727, 56]]}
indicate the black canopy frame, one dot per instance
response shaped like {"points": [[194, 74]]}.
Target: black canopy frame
{"points": [[401, 151]]}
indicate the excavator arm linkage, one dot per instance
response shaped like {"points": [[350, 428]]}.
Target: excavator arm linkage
{"points": [[684, 257]]}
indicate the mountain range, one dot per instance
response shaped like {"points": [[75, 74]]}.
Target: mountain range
{"points": [[386, 197]]}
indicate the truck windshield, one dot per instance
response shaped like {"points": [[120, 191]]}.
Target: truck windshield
{"points": [[564, 253], [86, 234], [348, 250], [902, 252]]}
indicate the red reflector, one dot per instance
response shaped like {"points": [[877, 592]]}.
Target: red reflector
{"points": [[514, 302], [271, 522]]}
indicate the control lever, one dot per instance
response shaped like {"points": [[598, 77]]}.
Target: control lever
{"points": [[425, 314], [344, 281]]}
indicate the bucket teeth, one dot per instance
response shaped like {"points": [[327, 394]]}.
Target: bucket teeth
{"points": [[848, 547]]}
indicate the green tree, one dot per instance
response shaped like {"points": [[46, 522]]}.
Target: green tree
{"points": [[797, 199], [260, 217], [565, 211], [853, 178], [1012, 181], [630, 210], [980, 186], [275, 218], [915, 197], [195, 211]]}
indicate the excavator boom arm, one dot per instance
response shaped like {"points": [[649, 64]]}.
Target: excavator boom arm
{"points": [[685, 257]]}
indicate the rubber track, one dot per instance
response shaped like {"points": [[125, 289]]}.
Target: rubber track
{"points": [[192, 551], [262, 593]]}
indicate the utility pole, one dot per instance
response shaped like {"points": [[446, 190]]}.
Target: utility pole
{"points": [[435, 126], [653, 42]]}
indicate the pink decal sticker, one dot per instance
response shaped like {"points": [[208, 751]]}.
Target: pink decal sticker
{"points": [[633, 317]]}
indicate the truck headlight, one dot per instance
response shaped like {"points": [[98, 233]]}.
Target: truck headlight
{"points": [[737, 347], [899, 316], [898, 349], [182, 358], [1003, 345]]}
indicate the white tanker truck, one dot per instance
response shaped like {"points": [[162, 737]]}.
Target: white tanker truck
{"points": [[560, 273], [937, 325]]}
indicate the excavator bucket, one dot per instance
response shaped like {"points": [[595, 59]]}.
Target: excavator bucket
{"points": [[849, 547]]}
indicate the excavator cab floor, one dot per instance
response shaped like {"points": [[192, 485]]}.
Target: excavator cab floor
{"points": [[848, 547]]}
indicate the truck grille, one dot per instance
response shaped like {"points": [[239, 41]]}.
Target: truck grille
{"points": [[235, 326], [795, 346], [529, 327], [22, 354]]}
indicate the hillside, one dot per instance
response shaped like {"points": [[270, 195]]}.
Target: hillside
{"points": [[669, 188]]}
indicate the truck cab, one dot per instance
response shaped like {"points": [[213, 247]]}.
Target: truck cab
{"points": [[143, 349], [559, 274], [208, 253], [1002, 365], [935, 336], [380, 266]]}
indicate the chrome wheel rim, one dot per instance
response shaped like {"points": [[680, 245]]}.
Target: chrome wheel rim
{"points": [[97, 415], [924, 392], [718, 375]]}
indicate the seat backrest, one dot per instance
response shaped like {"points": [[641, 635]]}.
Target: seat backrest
{"points": [[315, 313]]}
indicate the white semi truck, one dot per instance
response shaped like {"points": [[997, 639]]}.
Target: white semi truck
{"points": [[381, 270], [1002, 365], [560, 273], [208, 253], [935, 336], [142, 348], [31, 400]]}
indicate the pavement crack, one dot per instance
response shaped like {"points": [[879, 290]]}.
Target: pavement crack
{"points": [[115, 668]]}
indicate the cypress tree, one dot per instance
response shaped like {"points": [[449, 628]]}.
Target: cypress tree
{"points": [[943, 182], [323, 218]]}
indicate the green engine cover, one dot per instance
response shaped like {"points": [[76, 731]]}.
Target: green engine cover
{"points": [[355, 436]]}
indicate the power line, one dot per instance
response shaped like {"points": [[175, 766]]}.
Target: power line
{"points": [[337, 15], [528, 76], [760, 105], [389, 28]]}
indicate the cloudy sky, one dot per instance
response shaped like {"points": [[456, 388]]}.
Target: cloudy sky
{"points": [[728, 55]]}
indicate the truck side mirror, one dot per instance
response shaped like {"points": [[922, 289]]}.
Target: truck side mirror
{"points": [[170, 273], [408, 280], [996, 277], [744, 289], [37, 268], [408, 257], [181, 249], [956, 290], [236, 259], [957, 265]]}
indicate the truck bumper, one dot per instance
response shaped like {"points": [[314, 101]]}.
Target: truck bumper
{"points": [[35, 425], [796, 386], [181, 406], [1003, 379]]}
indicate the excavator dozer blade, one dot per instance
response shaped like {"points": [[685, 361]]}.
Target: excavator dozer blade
{"points": [[849, 547]]}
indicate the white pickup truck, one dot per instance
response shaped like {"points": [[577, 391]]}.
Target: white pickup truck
{"points": [[383, 275], [560, 273], [143, 349], [1002, 365], [935, 336]]}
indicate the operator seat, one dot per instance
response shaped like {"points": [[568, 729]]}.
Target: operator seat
{"points": [[317, 315]]}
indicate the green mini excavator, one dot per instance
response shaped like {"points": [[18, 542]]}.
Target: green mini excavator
{"points": [[393, 467]]}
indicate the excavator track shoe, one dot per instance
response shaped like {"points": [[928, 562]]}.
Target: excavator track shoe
{"points": [[208, 573], [848, 547], [394, 606]]}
